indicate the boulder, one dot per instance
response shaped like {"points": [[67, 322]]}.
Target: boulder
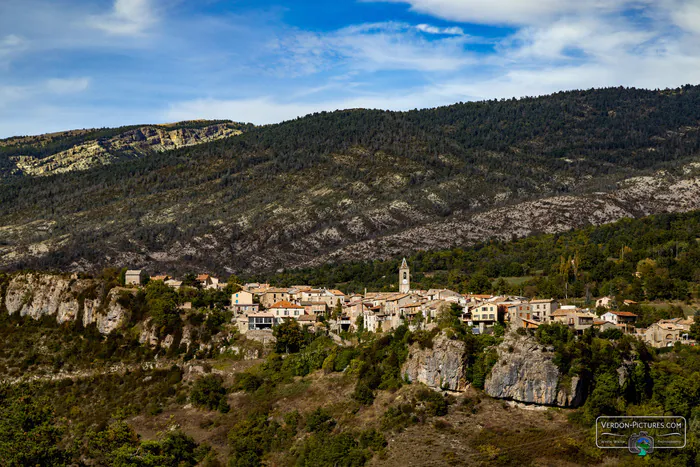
{"points": [[526, 373], [440, 367]]}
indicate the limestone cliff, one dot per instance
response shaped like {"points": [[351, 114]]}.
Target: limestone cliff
{"points": [[439, 367], [130, 144], [525, 373], [65, 298]]}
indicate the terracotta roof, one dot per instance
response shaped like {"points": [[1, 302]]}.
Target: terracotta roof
{"points": [[561, 312], [310, 318], [285, 304], [202, 277], [543, 300], [336, 292], [159, 278], [623, 313]]}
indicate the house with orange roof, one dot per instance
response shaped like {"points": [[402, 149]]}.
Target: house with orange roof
{"points": [[207, 281], [284, 309]]}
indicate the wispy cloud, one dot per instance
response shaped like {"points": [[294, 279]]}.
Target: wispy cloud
{"points": [[517, 12], [375, 46], [451, 31], [128, 17]]}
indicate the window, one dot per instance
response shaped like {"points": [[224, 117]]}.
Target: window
{"points": [[491, 317]]}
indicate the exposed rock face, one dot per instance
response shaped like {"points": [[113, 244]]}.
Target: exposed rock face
{"points": [[39, 295], [441, 367], [525, 373], [130, 144]]}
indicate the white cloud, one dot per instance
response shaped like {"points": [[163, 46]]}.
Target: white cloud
{"points": [[375, 46], [66, 86], [11, 45], [451, 31], [128, 17], [687, 17], [516, 12], [32, 94]]}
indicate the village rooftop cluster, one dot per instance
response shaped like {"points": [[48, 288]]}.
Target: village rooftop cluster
{"points": [[261, 307]]}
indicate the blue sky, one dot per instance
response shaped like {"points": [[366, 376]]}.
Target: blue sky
{"points": [[80, 64]]}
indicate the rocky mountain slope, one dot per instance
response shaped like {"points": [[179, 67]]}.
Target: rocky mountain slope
{"points": [[84, 149], [366, 184]]}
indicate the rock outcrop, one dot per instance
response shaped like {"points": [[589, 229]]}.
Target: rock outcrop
{"points": [[440, 367], [131, 144], [526, 373], [65, 298]]}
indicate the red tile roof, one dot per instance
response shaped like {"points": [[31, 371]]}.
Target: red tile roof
{"points": [[286, 304], [624, 313]]}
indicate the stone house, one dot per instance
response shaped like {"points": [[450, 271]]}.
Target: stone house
{"points": [[135, 277], [605, 302], [174, 284], [207, 281], [578, 320], [274, 295], [542, 309]]}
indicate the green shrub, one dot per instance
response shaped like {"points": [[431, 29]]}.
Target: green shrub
{"points": [[247, 382], [435, 403], [320, 421], [341, 450], [363, 394], [208, 392]]}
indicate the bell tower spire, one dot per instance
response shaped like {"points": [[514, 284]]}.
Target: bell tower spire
{"points": [[404, 277]]}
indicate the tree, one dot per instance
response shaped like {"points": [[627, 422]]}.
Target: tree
{"points": [[501, 286], [233, 285], [360, 324], [695, 327], [479, 283], [209, 392], [337, 311], [289, 335], [29, 434]]}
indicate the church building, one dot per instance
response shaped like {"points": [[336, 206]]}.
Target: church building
{"points": [[404, 277]]}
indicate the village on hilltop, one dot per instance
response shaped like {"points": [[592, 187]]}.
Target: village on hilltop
{"points": [[261, 307]]}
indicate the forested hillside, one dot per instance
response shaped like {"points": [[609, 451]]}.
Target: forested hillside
{"points": [[359, 184]]}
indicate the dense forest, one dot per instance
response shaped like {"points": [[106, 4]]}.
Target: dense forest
{"points": [[282, 195], [656, 257]]}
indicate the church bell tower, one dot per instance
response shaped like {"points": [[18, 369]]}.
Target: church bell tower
{"points": [[404, 277]]}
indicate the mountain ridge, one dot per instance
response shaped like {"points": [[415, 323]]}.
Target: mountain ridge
{"points": [[360, 184]]}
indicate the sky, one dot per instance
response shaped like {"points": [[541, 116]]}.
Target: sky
{"points": [[68, 64]]}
